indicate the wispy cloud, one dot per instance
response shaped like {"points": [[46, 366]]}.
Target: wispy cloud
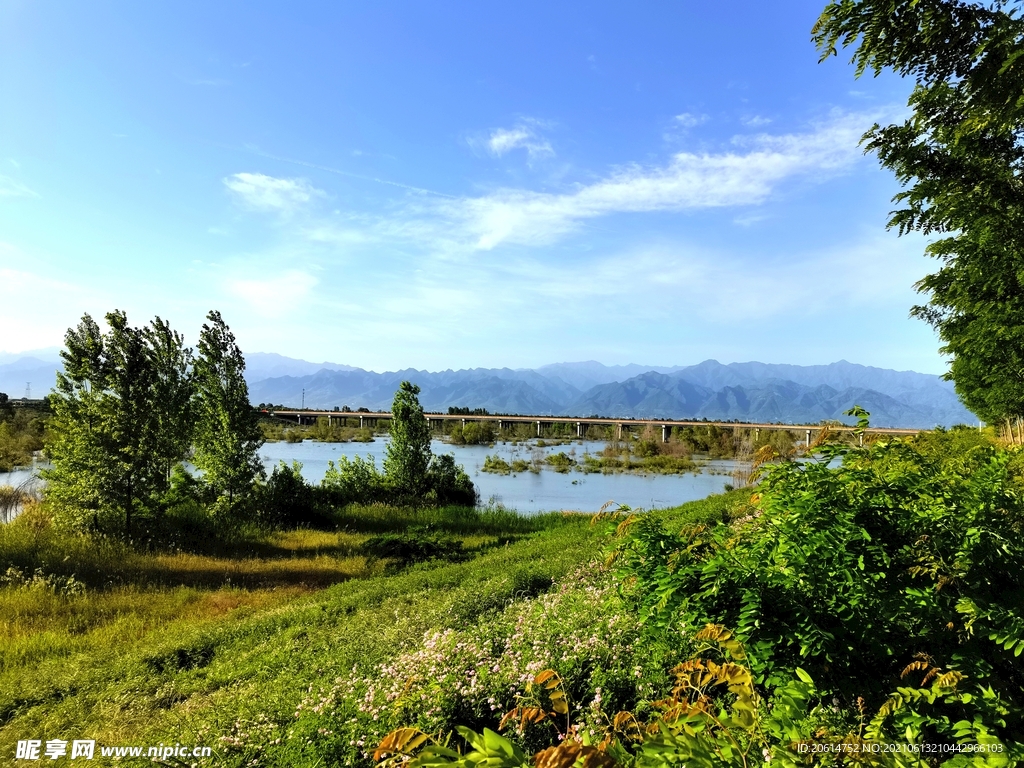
{"points": [[755, 121], [11, 188], [746, 174], [687, 120], [743, 174], [523, 135], [267, 193]]}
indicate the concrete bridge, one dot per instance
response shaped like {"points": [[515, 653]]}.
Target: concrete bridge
{"points": [[365, 419]]}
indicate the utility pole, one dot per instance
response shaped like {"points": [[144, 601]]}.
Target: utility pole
{"points": [[303, 399]]}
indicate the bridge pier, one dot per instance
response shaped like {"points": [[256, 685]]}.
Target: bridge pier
{"points": [[538, 428], [808, 443], [666, 431], [579, 429]]}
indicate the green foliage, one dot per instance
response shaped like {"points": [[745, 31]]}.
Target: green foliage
{"points": [[21, 433], [959, 154], [851, 571], [416, 545], [717, 442], [355, 481], [227, 438], [780, 441], [473, 433], [715, 716], [288, 501], [412, 474], [408, 454], [15, 449], [171, 392], [448, 483], [109, 462], [496, 465], [560, 462]]}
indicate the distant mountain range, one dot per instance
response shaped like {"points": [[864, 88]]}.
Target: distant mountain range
{"points": [[35, 370], [742, 391]]}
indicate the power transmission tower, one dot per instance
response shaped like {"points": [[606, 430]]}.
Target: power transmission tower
{"points": [[28, 390]]}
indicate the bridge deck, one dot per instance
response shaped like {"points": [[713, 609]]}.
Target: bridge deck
{"points": [[302, 414]]}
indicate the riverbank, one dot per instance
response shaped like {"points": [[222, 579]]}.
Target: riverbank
{"points": [[228, 649]]}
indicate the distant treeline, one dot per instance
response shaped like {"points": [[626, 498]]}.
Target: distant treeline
{"points": [[21, 431]]}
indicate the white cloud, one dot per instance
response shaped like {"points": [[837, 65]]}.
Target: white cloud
{"points": [[745, 176], [11, 188], [687, 120], [523, 135], [755, 121], [270, 194]]}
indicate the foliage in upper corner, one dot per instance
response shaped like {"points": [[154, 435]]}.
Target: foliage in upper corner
{"points": [[851, 571], [959, 155]]}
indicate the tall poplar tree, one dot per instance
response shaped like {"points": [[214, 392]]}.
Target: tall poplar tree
{"points": [[105, 427], [173, 393], [227, 438], [408, 454]]}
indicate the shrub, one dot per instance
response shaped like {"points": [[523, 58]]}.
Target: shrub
{"points": [[560, 462], [473, 433], [496, 465], [902, 558], [287, 500]]}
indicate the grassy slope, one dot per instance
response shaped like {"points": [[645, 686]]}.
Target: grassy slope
{"points": [[199, 662]]}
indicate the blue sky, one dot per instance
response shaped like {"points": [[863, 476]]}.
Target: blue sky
{"points": [[453, 184]]}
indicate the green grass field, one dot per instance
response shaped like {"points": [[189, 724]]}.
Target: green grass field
{"points": [[221, 650]]}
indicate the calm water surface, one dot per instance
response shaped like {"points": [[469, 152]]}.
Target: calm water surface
{"points": [[526, 492]]}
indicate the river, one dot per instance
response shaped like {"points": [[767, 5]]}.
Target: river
{"points": [[526, 492]]}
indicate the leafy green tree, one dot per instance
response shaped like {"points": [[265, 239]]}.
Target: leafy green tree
{"points": [[408, 454], [173, 393], [960, 157], [103, 445], [6, 409], [227, 437]]}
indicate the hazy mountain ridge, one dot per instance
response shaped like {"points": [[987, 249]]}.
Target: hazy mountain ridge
{"points": [[749, 391], [38, 371], [742, 391]]}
